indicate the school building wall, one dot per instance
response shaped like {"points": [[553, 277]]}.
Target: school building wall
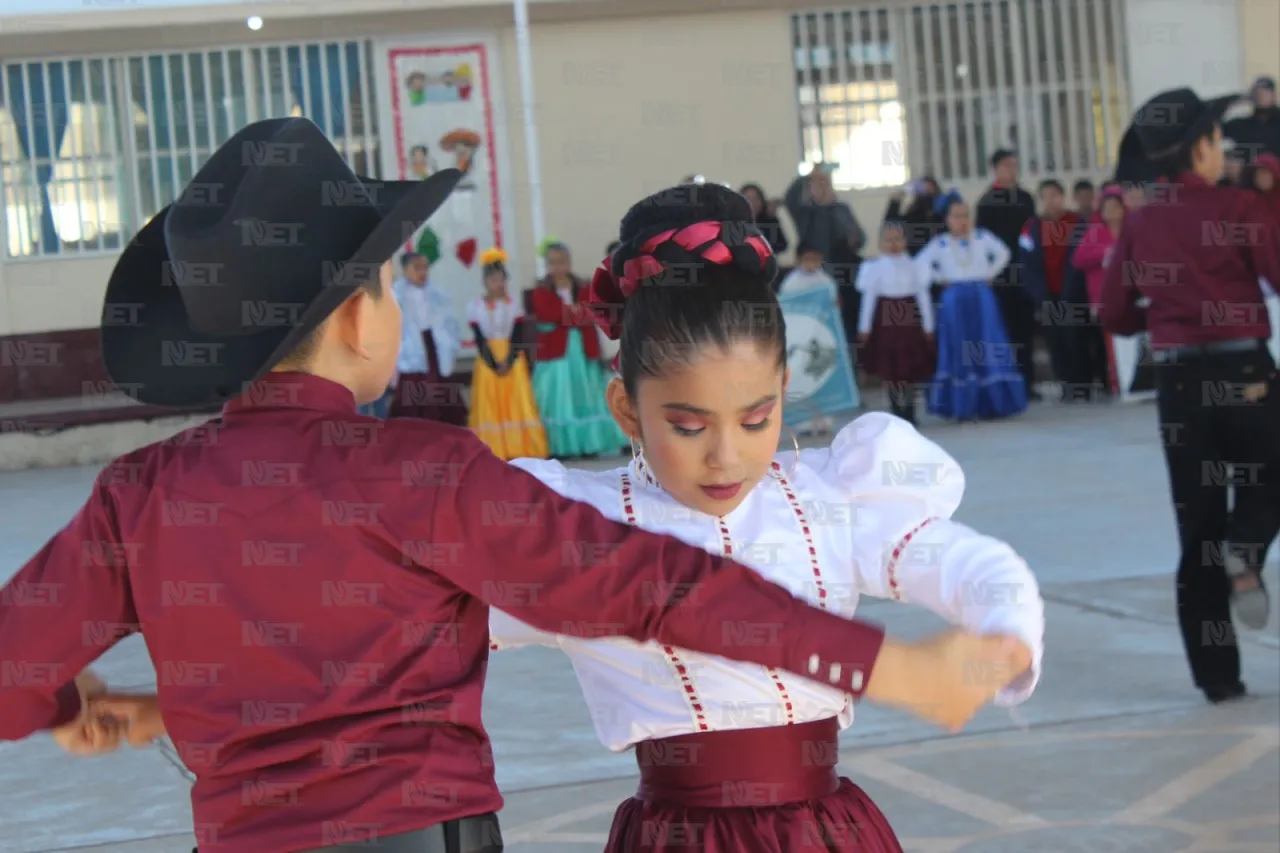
{"points": [[631, 95]]}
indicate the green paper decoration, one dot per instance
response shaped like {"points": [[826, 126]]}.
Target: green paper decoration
{"points": [[429, 245]]}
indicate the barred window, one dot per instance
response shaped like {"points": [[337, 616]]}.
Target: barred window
{"points": [[934, 88], [91, 149]]}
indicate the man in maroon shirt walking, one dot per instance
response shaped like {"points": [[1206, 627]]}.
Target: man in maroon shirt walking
{"points": [[1195, 252], [314, 585]]}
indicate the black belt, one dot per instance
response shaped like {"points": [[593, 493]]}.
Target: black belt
{"points": [[479, 834], [1189, 353]]}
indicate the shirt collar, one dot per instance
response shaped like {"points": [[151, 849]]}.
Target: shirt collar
{"points": [[1191, 179], [281, 390]]}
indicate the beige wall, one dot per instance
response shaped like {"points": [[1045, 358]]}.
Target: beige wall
{"points": [[1260, 36], [625, 111]]}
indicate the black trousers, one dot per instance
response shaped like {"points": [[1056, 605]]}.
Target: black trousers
{"points": [[1218, 437], [1019, 315], [1076, 348]]}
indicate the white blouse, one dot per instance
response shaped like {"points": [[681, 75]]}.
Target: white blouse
{"points": [[980, 257], [892, 277], [869, 515], [497, 322]]}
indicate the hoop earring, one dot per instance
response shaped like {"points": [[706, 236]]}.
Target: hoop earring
{"points": [[636, 454], [795, 444]]}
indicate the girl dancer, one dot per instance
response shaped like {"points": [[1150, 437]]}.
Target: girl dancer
{"points": [[977, 376], [569, 379], [895, 325], [1091, 258], [503, 412], [700, 394]]}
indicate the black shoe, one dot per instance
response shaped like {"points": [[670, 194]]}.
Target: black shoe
{"points": [[1035, 397], [1225, 693]]}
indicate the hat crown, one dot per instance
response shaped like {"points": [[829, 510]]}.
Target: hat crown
{"points": [[277, 205]]}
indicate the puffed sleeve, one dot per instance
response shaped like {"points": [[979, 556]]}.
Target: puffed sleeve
{"points": [[904, 490]]}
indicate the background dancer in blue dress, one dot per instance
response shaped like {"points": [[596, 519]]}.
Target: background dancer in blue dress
{"points": [[977, 374]]}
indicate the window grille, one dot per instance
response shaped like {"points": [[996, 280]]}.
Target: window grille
{"points": [[891, 92], [91, 149]]}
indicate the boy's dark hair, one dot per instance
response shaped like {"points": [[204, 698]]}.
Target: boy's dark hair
{"points": [[409, 257], [1051, 183], [612, 247], [415, 149], [1082, 185], [806, 248], [1184, 160], [1000, 155], [695, 302]]}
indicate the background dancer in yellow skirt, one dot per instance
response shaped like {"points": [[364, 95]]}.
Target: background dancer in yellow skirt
{"points": [[503, 411]]}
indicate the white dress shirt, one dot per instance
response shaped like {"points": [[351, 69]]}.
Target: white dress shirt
{"points": [[892, 277], [979, 257], [496, 321], [870, 515], [423, 309]]}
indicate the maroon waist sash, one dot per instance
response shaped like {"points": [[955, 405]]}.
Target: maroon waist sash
{"points": [[742, 768]]}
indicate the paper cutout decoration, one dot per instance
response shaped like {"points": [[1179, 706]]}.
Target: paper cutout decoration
{"points": [[429, 245], [462, 144], [466, 251]]}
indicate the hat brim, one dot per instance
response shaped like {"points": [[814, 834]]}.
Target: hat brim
{"points": [[152, 353], [1135, 165]]}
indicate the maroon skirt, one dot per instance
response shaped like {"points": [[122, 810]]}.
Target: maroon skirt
{"points": [[771, 790], [430, 396], [898, 349]]}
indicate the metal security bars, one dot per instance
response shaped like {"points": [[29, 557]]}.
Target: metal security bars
{"points": [[91, 149], [934, 88]]}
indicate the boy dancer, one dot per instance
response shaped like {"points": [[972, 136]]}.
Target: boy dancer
{"points": [[314, 585], [1196, 250]]}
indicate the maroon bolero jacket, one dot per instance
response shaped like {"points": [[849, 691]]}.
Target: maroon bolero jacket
{"points": [[314, 588], [549, 309]]}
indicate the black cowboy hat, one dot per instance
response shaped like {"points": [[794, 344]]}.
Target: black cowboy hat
{"points": [[1162, 126], [272, 234]]}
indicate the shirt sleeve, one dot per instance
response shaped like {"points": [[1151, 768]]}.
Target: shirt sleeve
{"points": [[561, 566], [924, 298], [1118, 309], [866, 285], [1265, 250], [1000, 254], [60, 612], [926, 263], [907, 548]]}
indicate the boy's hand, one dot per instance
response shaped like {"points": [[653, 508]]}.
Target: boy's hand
{"points": [[947, 679], [138, 716]]}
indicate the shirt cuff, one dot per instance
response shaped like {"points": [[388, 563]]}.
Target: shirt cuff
{"points": [[841, 653], [69, 705]]}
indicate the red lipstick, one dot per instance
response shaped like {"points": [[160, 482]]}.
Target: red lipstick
{"points": [[722, 492]]}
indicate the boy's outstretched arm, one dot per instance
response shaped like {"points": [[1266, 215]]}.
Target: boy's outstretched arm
{"points": [[60, 612]]}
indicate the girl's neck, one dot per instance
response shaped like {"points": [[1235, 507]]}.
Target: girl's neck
{"points": [[962, 236]]}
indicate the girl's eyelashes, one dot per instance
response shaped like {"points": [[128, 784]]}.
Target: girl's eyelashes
{"points": [[687, 431], [757, 426]]}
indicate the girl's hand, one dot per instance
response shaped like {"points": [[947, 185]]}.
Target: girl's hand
{"points": [[863, 337], [88, 734]]}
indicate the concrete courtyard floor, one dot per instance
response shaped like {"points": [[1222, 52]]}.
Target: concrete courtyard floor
{"points": [[1116, 753]]}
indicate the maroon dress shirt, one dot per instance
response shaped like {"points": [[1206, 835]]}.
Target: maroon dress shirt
{"points": [[314, 589], [1196, 251]]}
